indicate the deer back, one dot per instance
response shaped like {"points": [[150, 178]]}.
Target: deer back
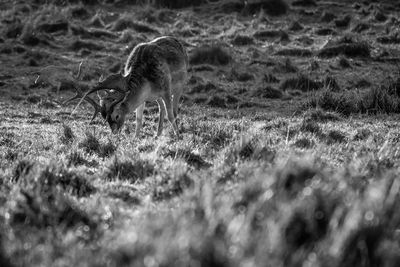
{"points": [[146, 57]]}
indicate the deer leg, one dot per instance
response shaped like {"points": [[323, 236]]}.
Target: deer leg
{"points": [[161, 108], [139, 118], [170, 113], [176, 104]]}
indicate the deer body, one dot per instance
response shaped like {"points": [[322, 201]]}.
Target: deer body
{"points": [[155, 70]]}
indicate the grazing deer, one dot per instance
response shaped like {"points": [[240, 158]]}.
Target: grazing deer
{"points": [[155, 70]]}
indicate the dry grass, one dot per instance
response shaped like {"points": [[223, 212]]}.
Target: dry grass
{"points": [[288, 153]]}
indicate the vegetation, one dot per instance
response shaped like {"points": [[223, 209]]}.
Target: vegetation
{"points": [[288, 152]]}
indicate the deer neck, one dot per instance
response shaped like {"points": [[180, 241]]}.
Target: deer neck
{"points": [[139, 92]]}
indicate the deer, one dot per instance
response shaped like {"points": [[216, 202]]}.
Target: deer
{"points": [[154, 71]]}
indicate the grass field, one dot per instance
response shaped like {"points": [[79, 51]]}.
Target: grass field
{"points": [[289, 152]]}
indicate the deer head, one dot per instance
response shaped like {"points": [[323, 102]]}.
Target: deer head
{"points": [[110, 91]]}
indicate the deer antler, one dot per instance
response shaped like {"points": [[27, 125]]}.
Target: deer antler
{"points": [[80, 95], [79, 71]]}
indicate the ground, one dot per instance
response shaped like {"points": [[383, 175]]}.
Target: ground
{"points": [[289, 149]]}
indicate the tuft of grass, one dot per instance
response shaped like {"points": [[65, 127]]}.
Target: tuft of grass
{"points": [[34, 99], [107, 149], [172, 183], [294, 52], [90, 143], [41, 201], [69, 181], [267, 92], [11, 155], [75, 158], [362, 134], [301, 82], [356, 49], [125, 195], [335, 136], [177, 4], [67, 136], [131, 170], [319, 115], [216, 101], [52, 209], [248, 149], [345, 103], [343, 21], [21, 169], [344, 62], [292, 177], [375, 100], [327, 17], [79, 44], [214, 55], [270, 7], [304, 142], [310, 127], [295, 26], [126, 22], [241, 75], [305, 3], [241, 40], [191, 158]]}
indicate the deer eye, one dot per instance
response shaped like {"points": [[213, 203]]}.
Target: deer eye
{"points": [[117, 117]]}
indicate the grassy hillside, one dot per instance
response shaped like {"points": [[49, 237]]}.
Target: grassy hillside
{"points": [[289, 152]]}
